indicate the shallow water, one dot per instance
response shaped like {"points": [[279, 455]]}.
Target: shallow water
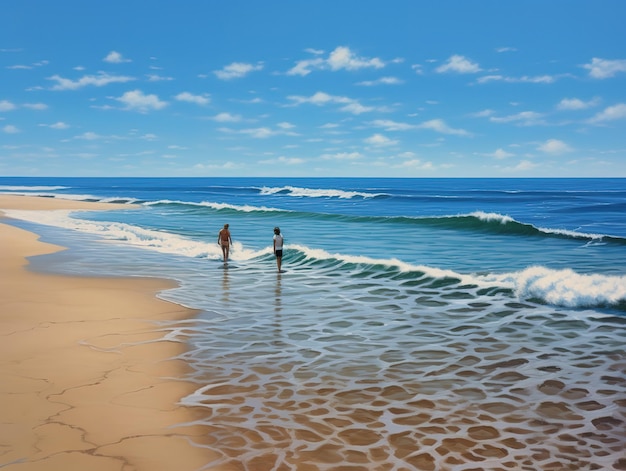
{"points": [[313, 369], [435, 325]]}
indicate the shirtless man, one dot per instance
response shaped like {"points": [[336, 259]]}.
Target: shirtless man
{"points": [[223, 239]]}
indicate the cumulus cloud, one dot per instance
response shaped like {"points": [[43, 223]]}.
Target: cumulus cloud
{"points": [[523, 166], [341, 58], [440, 126], [6, 106], [262, 132], [524, 118], [115, 57], [554, 147], [523, 79], [379, 140], [500, 154], [381, 81], [138, 101], [190, 98], [237, 70], [604, 68], [437, 125], [321, 98], [390, 125], [610, 113], [342, 156], [10, 129], [89, 136], [344, 58], [576, 104], [99, 80], [158, 78], [226, 118], [460, 65], [35, 106], [57, 125]]}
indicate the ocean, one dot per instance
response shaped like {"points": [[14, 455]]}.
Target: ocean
{"points": [[417, 324]]}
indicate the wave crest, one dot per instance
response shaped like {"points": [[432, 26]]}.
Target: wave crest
{"points": [[317, 192]]}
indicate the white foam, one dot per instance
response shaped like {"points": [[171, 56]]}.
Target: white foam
{"points": [[317, 193], [564, 287], [217, 206], [31, 188]]}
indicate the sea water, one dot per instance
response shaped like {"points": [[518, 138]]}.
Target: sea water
{"points": [[417, 323]]}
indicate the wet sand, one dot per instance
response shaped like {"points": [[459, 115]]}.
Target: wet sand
{"points": [[83, 382]]}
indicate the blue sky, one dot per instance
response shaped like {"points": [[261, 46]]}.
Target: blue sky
{"points": [[411, 88]]}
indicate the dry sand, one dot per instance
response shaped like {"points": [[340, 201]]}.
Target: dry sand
{"points": [[70, 397]]}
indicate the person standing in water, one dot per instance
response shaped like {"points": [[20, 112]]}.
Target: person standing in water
{"points": [[278, 247], [224, 240]]}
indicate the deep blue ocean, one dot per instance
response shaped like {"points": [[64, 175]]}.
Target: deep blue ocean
{"points": [[495, 301]]}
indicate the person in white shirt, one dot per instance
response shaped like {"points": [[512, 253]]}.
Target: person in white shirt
{"points": [[278, 247]]}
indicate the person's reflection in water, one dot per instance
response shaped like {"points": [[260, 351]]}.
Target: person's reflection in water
{"points": [[278, 298], [225, 287]]}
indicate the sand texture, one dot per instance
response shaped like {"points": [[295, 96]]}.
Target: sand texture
{"points": [[83, 378]]}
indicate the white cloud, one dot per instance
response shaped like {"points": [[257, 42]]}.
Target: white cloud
{"points": [[418, 69], [604, 68], [523, 166], [291, 160], [35, 106], [190, 98], [506, 49], [610, 113], [158, 78], [440, 126], [390, 125], [437, 125], [304, 67], [500, 154], [576, 104], [237, 70], [460, 65], [10, 129], [321, 98], [523, 79], [137, 100], [6, 106], [342, 156], [524, 118], [226, 118], [260, 133], [382, 81], [59, 125], [356, 108], [89, 136], [483, 114], [96, 80], [284, 161], [342, 58], [285, 125], [115, 57], [554, 147], [379, 140]]}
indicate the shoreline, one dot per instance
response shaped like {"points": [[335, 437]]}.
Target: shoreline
{"points": [[84, 378]]}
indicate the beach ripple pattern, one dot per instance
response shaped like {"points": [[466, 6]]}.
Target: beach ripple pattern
{"points": [[331, 372]]}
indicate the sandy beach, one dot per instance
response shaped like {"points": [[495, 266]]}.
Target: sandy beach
{"points": [[83, 384]]}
